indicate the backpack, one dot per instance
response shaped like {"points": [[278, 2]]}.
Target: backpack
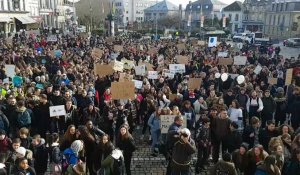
{"points": [[53, 154], [65, 163], [118, 166], [23, 118]]}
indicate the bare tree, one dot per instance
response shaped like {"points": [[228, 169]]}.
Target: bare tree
{"points": [[169, 21], [98, 10]]}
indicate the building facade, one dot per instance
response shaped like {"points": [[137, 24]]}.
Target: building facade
{"points": [[283, 19], [160, 10], [14, 17], [129, 11], [208, 8], [66, 15], [255, 14], [48, 13], [234, 14]]}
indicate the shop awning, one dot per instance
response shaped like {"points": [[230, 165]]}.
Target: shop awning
{"points": [[26, 20], [5, 19]]}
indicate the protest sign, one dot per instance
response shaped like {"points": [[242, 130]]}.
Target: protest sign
{"points": [[10, 70], [240, 60], [177, 68], [167, 120], [212, 42], [118, 66], [272, 81], [201, 43], [194, 83], [167, 73], [181, 46], [160, 60], [123, 90], [223, 54], [289, 76], [128, 64], [182, 59], [225, 61], [125, 77], [17, 81], [118, 48], [57, 110], [114, 56], [257, 69], [140, 70], [97, 53], [152, 75], [103, 70], [52, 38], [109, 40], [138, 84]]}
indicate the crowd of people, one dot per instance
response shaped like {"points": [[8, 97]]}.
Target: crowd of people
{"points": [[254, 123]]}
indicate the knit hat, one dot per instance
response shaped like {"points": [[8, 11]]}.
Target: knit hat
{"points": [[2, 132], [76, 146], [245, 145], [22, 151], [280, 90], [226, 157]]}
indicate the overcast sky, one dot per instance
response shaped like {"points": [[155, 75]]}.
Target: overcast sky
{"points": [[185, 2]]}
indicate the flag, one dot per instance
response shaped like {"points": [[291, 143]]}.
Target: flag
{"points": [[189, 20], [113, 8], [102, 8]]}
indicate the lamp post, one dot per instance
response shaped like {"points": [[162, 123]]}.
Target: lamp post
{"points": [[156, 23]]}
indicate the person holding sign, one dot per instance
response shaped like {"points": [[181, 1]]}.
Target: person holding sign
{"points": [[189, 112], [154, 124]]}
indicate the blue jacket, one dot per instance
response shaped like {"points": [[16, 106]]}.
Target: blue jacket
{"points": [[72, 158], [154, 122]]}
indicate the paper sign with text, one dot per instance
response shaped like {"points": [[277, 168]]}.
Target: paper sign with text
{"points": [[57, 110], [123, 90], [240, 60], [167, 120]]}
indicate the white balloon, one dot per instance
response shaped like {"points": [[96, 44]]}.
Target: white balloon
{"points": [[217, 75], [240, 79], [224, 76]]}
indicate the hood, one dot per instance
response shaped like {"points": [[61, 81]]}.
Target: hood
{"points": [[42, 142], [54, 144], [2, 165], [22, 109], [116, 154]]}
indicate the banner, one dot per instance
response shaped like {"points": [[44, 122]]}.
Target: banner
{"points": [[57, 110], [123, 90], [167, 120]]}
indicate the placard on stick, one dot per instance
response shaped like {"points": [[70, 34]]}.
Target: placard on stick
{"points": [[119, 91], [289, 76], [103, 70], [240, 60], [194, 83]]}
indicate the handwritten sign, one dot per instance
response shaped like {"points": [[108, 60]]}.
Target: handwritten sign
{"points": [[167, 120], [181, 46], [140, 70], [118, 48], [119, 91], [272, 81], [10, 70], [182, 59], [223, 54], [225, 61], [52, 38], [118, 66], [257, 69], [128, 64], [194, 83], [240, 60], [57, 110], [103, 70], [177, 68], [152, 75], [97, 53], [138, 84], [289, 76], [125, 77]]}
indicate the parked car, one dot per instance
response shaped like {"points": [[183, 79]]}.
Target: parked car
{"points": [[292, 42]]}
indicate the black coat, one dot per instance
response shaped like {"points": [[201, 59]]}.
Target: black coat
{"points": [[234, 141], [42, 118], [40, 155], [265, 136], [126, 145]]}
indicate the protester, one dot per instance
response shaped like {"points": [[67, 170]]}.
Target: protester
{"points": [[224, 166]]}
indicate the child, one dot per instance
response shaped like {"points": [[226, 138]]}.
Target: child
{"points": [[55, 156], [24, 168], [40, 154], [24, 137], [5, 142], [203, 144]]}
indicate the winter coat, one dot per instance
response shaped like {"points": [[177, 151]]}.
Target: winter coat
{"points": [[54, 152], [126, 145], [234, 140], [291, 168], [30, 171], [266, 170], [181, 161], [26, 142], [240, 161], [269, 105], [93, 115], [202, 137], [22, 114], [40, 155], [224, 167], [220, 128], [265, 136], [154, 122], [42, 122], [72, 116], [4, 122], [5, 145]]}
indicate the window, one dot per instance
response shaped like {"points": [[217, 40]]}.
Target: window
{"points": [[229, 17], [127, 18], [236, 17], [236, 26], [273, 7], [1, 5], [278, 21], [281, 6], [286, 6], [270, 19], [274, 19]]}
